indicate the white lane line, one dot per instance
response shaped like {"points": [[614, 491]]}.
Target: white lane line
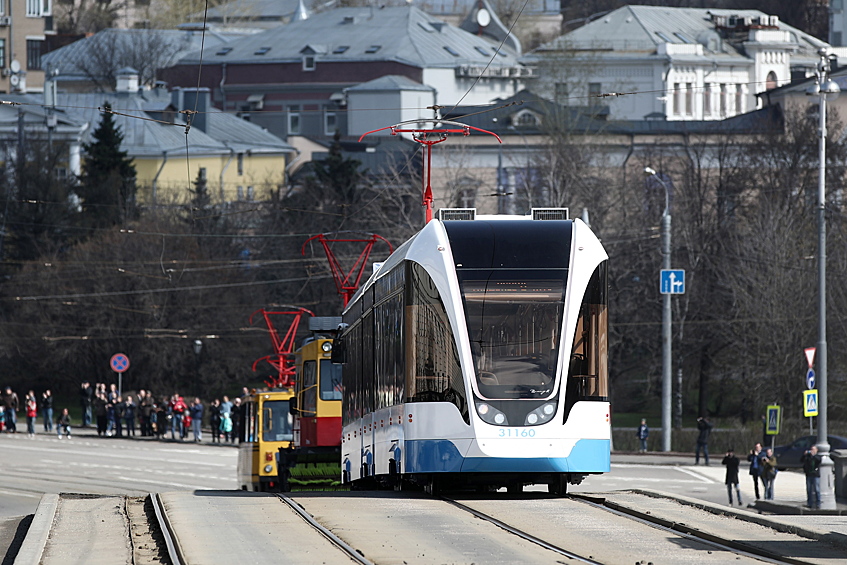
{"points": [[178, 485], [120, 456], [697, 475], [19, 493]]}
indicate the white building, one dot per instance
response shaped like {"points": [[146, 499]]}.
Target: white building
{"points": [[676, 63]]}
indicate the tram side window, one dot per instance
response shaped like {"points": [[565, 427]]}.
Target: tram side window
{"points": [[433, 370], [589, 369], [366, 393], [352, 375], [389, 352], [309, 399]]}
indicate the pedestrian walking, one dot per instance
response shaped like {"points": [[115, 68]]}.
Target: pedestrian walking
{"points": [[196, 412], [732, 462], [769, 472], [47, 410], [705, 428], [31, 407], [812, 467], [63, 424], [642, 433], [755, 459]]}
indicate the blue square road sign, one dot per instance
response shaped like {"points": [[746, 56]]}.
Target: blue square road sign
{"points": [[672, 281]]}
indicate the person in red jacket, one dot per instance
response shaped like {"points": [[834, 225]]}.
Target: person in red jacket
{"points": [[177, 408]]}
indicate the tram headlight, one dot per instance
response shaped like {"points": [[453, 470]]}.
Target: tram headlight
{"points": [[541, 415], [326, 346], [269, 468], [491, 415]]}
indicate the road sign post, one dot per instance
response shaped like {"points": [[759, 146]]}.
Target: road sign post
{"points": [[119, 364]]}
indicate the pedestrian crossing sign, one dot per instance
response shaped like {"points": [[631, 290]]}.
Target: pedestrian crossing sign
{"points": [[810, 402], [772, 422]]}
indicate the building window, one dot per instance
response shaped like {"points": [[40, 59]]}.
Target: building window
{"points": [[467, 198], [293, 120], [240, 164], [562, 93], [250, 193], [239, 192], [724, 102], [595, 89], [330, 123], [770, 82], [677, 99], [707, 101], [309, 63], [33, 54], [38, 8], [689, 99], [2, 51], [739, 99]]}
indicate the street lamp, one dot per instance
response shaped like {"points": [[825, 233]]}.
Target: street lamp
{"points": [[666, 316], [826, 90], [198, 348]]}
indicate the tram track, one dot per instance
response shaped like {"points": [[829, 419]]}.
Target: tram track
{"points": [[522, 534], [334, 539], [714, 544], [686, 531]]}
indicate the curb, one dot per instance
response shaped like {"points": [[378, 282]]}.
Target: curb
{"points": [[833, 538], [32, 548]]}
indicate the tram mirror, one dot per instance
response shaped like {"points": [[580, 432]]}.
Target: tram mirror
{"points": [[339, 351], [292, 406]]}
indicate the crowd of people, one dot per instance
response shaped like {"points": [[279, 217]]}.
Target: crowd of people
{"points": [[126, 415]]}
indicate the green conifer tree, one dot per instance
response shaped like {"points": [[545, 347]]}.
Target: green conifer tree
{"points": [[108, 177]]}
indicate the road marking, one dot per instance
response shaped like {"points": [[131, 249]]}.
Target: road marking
{"points": [[696, 475], [19, 493]]}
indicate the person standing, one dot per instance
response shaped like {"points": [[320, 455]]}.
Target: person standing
{"points": [[812, 467], [47, 410], [31, 407], [215, 420], [642, 433], [86, 399], [769, 471], [177, 408], [196, 412], [145, 410], [129, 415], [705, 428], [101, 413], [732, 463], [755, 459], [236, 420], [11, 405]]}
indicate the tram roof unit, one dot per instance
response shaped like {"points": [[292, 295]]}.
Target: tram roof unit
{"points": [[400, 254]]}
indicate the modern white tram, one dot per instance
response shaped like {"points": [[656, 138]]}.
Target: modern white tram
{"points": [[476, 357]]}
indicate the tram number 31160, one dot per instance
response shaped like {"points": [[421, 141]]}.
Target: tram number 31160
{"points": [[516, 432]]}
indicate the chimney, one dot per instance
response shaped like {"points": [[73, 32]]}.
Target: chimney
{"points": [[199, 99], [127, 80]]}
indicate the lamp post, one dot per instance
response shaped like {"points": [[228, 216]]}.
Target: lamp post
{"points": [[667, 385], [826, 90], [198, 348]]}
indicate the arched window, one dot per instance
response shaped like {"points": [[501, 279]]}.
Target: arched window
{"points": [[770, 82]]}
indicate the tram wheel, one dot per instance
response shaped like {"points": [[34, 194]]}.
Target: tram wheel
{"points": [[558, 486], [433, 486]]}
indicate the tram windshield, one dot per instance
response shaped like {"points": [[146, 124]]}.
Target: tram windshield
{"points": [[514, 330], [277, 421], [330, 381]]}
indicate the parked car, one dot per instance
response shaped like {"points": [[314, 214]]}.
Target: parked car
{"points": [[788, 456]]}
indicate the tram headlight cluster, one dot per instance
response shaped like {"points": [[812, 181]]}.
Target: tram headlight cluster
{"points": [[541, 415], [326, 346], [491, 415], [269, 468]]}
